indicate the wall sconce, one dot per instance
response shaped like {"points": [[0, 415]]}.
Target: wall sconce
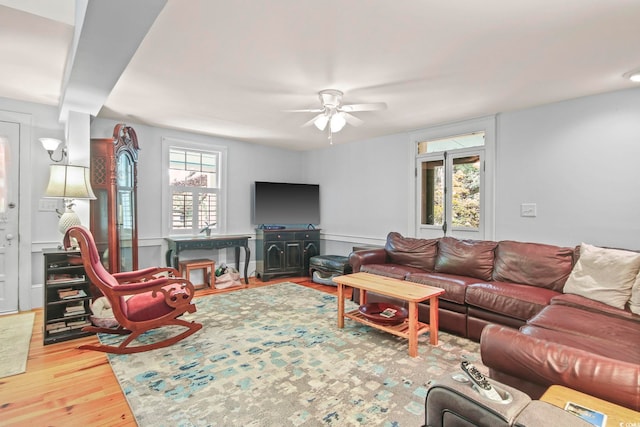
{"points": [[69, 182], [51, 145]]}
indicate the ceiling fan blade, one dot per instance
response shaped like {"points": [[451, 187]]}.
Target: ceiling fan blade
{"points": [[352, 120], [363, 107], [312, 121], [309, 110]]}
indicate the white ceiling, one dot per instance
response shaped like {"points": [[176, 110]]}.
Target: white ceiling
{"points": [[233, 68]]}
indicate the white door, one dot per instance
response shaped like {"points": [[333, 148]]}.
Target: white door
{"points": [[9, 248], [449, 189]]}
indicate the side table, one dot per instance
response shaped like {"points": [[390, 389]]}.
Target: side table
{"points": [[617, 415]]}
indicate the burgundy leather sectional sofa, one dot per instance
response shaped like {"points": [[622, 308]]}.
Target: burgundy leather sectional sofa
{"points": [[509, 296]]}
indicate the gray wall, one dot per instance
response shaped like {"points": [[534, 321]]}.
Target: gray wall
{"points": [[578, 161]]}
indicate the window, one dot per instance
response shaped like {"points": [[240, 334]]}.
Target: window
{"points": [[450, 189], [453, 184], [195, 189]]}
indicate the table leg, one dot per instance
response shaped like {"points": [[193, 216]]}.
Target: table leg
{"points": [[363, 296], [168, 257], [413, 328], [247, 255], [340, 305], [433, 320]]}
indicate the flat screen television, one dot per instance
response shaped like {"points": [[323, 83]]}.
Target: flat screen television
{"points": [[280, 203]]}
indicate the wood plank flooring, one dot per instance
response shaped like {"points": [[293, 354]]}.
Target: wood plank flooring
{"points": [[64, 386]]}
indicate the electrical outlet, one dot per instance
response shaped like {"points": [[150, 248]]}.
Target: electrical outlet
{"points": [[528, 209], [48, 205]]}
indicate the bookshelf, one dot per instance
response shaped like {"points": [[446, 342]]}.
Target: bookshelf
{"points": [[67, 296]]}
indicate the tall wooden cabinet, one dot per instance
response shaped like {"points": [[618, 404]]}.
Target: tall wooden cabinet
{"points": [[114, 219], [285, 252]]}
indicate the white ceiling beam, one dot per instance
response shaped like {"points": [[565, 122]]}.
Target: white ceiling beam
{"points": [[107, 35]]}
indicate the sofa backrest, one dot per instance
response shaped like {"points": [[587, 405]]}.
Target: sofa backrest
{"points": [[419, 253], [533, 264], [473, 258]]}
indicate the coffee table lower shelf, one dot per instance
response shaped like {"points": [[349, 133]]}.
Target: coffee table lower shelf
{"points": [[401, 329]]}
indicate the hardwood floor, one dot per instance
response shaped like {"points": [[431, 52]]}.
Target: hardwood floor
{"points": [[64, 386]]}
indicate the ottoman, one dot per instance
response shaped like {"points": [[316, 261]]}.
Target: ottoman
{"points": [[322, 268]]}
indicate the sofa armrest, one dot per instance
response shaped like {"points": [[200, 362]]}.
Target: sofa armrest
{"points": [[368, 256], [542, 362]]}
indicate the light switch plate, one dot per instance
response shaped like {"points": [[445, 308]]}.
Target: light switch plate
{"points": [[48, 205], [528, 209]]}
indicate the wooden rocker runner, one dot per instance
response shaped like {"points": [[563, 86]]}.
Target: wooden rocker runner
{"points": [[153, 301]]}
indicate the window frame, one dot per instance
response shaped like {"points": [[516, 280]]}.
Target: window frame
{"points": [[448, 159], [485, 124], [167, 207]]}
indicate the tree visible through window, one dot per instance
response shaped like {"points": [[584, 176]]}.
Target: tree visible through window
{"points": [[194, 180], [466, 192], [451, 181]]}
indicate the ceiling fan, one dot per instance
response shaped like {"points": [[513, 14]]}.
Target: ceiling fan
{"points": [[334, 115]]}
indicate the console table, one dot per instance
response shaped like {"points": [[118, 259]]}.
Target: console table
{"points": [[178, 244]]}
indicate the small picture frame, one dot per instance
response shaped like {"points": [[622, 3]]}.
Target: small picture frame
{"points": [[592, 416]]}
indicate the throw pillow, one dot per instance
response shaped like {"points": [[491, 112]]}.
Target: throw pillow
{"points": [[634, 302], [605, 275]]}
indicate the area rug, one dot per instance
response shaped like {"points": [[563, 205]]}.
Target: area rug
{"points": [[273, 356], [15, 336]]}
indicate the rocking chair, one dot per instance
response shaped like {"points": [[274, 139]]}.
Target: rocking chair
{"points": [[141, 300]]}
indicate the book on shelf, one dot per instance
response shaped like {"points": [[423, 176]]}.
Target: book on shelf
{"points": [[69, 293], [79, 324], [73, 313], [74, 308], [60, 329], [64, 278], [53, 326]]}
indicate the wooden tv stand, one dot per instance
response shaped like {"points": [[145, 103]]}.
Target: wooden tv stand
{"points": [[285, 252]]}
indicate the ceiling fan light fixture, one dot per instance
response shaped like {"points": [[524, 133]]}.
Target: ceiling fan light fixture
{"points": [[337, 122], [321, 121], [634, 76]]}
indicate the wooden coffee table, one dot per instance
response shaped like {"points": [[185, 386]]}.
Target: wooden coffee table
{"points": [[411, 292], [616, 415]]}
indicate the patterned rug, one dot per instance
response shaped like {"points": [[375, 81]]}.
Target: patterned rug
{"points": [[273, 356], [15, 336]]}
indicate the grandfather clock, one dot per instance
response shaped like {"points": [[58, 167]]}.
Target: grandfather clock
{"points": [[114, 218]]}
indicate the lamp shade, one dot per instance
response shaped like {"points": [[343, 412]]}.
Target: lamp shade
{"points": [[321, 121], [69, 182], [50, 144], [337, 122]]}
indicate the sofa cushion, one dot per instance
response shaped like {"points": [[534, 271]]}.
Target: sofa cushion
{"points": [[588, 304], [454, 286], [533, 264], [472, 258], [601, 346], [605, 275], [509, 299], [395, 271], [587, 324], [419, 253]]}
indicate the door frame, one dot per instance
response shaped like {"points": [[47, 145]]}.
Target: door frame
{"points": [[24, 121], [485, 124]]}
